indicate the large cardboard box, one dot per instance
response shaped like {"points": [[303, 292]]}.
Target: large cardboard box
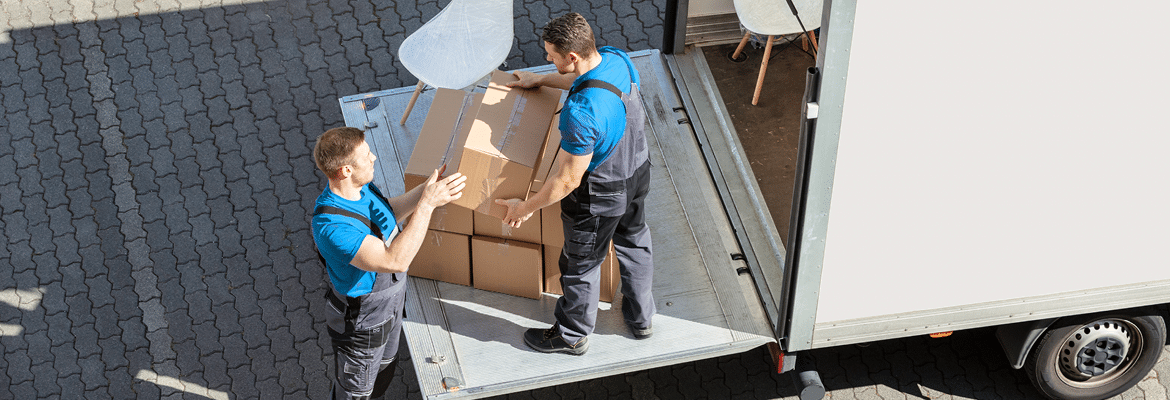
{"points": [[444, 256], [507, 266], [495, 139], [610, 273], [529, 231]]}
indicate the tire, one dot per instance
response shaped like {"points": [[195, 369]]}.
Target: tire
{"points": [[1098, 356]]}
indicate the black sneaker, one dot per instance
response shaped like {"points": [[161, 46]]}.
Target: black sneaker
{"points": [[550, 341], [641, 333]]}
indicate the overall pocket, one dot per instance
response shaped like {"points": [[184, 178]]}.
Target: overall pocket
{"points": [[607, 199], [580, 244]]}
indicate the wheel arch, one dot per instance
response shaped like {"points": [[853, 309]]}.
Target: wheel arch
{"points": [[1019, 339]]}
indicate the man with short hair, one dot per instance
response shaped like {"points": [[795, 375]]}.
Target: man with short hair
{"points": [[366, 255], [601, 177]]}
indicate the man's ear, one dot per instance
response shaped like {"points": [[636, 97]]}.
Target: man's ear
{"points": [[574, 57]]}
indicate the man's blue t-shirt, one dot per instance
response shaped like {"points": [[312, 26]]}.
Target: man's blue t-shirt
{"points": [[339, 237], [594, 120]]}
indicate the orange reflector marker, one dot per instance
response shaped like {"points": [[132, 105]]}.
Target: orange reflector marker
{"points": [[941, 334]]}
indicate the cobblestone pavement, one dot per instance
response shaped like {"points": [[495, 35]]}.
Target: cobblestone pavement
{"points": [[155, 184]]}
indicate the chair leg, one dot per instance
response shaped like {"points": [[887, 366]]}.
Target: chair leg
{"points": [[763, 69], [410, 106], [812, 35], [742, 42]]}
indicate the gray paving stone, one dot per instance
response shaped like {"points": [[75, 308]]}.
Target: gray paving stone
{"points": [[236, 94], [187, 171], [71, 386], [221, 44], [50, 65], [168, 88], [92, 371], [230, 241], [134, 334], [245, 52], [254, 331], [106, 324], [24, 390], [120, 382], [100, 189]]}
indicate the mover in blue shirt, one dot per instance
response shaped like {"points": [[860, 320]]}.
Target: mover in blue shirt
{"points": [[601, 177], [366, 255]]}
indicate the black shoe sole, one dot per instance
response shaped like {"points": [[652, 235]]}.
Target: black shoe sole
{"points": [[576, 351], [641, 333]]}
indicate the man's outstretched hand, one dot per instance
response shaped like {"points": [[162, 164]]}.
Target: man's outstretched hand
{"points": [[526, 80], [438, 192], [516, 214]]}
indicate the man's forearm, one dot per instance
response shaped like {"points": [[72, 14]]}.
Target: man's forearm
{"points": [[558, 80], [552, 192], [404, 204], [405, 247]]}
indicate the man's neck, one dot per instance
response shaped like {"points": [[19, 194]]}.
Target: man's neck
{"points": [[346, 189], [588, 64]]}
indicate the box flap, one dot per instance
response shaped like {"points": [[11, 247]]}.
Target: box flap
{"points": [[490, 178], [443, 133], [512, 123], [552, 147]]}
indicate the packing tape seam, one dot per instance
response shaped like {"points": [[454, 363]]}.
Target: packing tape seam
{"points": [[514, 121], [486, 189], [455, 129]]}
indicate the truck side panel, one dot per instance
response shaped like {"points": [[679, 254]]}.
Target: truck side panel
{"points": [[1007, 166]]}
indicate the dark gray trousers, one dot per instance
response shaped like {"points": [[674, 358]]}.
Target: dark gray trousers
{"points": [[365, 332], [590, 222]]}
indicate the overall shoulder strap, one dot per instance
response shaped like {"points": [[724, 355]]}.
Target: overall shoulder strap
{"points": [[596, 83], [378, 192], [337, 211]]}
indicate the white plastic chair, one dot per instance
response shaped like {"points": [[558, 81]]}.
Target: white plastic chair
{"points": [[773, 18], [463, 43]]}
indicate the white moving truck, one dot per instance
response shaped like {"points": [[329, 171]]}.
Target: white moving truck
{"points": [[962, 165]]}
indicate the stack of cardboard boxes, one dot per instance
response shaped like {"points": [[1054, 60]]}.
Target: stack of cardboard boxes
{"points": [[505, 142]]}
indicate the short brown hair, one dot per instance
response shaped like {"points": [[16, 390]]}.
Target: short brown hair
{"points": [[570, 33], [334, 148]]}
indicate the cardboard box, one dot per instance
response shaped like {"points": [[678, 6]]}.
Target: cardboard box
{"points": [[529, 231], [454, 219], [440, 142], [552, 231], [444, 256], [552, 269], [611, 276], [551, 148], [495, 139], [507, 266]]}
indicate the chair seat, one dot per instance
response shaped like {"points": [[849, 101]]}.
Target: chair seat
{"points": [[463, 43], [773, 17]]}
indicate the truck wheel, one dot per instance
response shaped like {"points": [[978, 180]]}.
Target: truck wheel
{"points": [[1096, 356]]}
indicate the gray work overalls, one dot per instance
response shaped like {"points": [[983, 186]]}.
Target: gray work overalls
{"points": [[609, 203], [365, 330]]}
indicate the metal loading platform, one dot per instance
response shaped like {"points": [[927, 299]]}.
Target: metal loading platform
{"points": [[466, 343]]}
